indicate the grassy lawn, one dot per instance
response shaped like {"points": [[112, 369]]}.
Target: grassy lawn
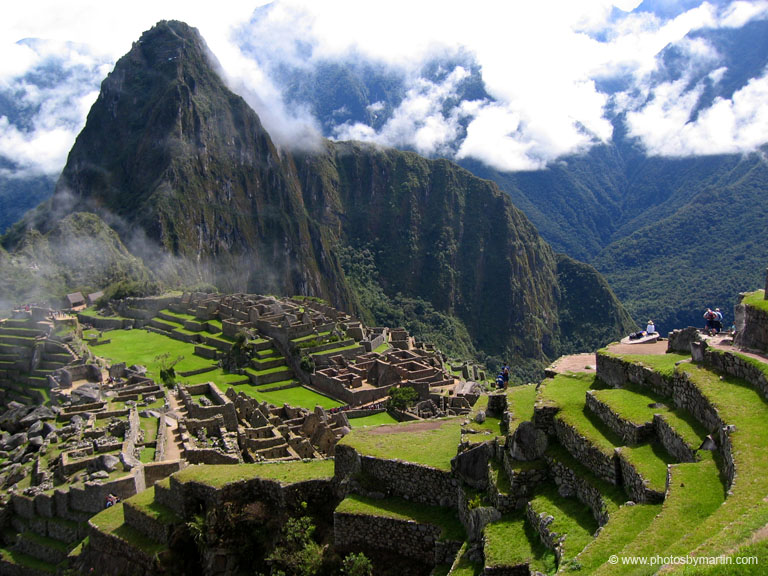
{"points": [[142, 347], [410, 442], [219, 377], [521, 400], [182, 317], [218, 475], [492, 424], [110, 521], [336, 350], [373, 420], [147, 454], [571, 517], [309, 337], [465, 567], [397, 508], [383, 347], [512, 541], [696, 493], [299, 396]]}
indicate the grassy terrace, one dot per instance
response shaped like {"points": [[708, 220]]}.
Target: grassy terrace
{"points": [[650, 460], [661, 363], [283, 472], [445, 518], [309, 337], [142, 347], [434, 445], [299, 396], [93, 313], [336, 350], [14, 557], [571, 517], [756, 300], [373, 420], [491, 425], [110, 521], [696, 495], [381, 348], [745, 510], [145, 501], [512, 541], [182, 317]]}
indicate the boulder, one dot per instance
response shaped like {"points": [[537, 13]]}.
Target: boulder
{"points": [[36, 429], [35, 443], [528, 442], [10, 419], [65, 378], [93, 373], [39, 413], [105, 462], [472, 465], [16, 440], [480, 417]]}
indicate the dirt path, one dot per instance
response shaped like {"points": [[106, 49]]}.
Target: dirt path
{"points": [[173, 449], [574, 363], [658, 347], [416, 426]]}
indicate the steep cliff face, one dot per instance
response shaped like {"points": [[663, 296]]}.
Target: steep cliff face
{"points": [[170, 152]]}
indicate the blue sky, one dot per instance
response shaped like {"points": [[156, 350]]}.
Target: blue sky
{"points": [[541, 62]]}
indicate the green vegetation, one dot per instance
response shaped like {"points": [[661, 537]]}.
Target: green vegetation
{"points": [[373, 420], [571, 518], [283, 472], [299, 396], [521, 401], [444, 518], [432, 445], [14, 557], [145, 501], [401, 397], [662, 363], [512, 541], [650, 460], [757, 300]]}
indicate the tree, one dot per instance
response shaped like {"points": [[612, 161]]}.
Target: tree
{"points": [[167, 371], [297, 553], [402, 397], [357, 565]]}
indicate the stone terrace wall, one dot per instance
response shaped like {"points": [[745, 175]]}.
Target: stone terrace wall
{"points": [[410, 481], [629, 432], [569, 483], [115, 556], [739, 367], [420, 542], [541, 523], [754, 332], [616, 372], [583, 451], [672, 441], [635, 485]]}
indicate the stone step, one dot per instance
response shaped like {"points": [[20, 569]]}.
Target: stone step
{"points": [[267, 363]]}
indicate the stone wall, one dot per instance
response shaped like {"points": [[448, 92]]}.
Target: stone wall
{"points": [[631, 433], [419, 542], [602, 465], [739, 367], [616, 372], [223, 406], [680, 340], [544, 417], [541, 523], [569, 483], [155, 471], [475, 520], [635, 485], [115, 556], [752, 331], [672, 441]]}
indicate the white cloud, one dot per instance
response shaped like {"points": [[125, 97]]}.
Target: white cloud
{"points": [[539, 62]]}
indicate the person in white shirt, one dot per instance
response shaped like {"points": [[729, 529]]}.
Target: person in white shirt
{"points": [[651, 328]]}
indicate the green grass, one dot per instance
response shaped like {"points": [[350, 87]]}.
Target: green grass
{"points": [[147, 454], [336, 350], [754, 555], [309, 337], [499, 476], [632, 405], [373, 420], [111, 521], [492, 424], [650, 460], [756, 300], [283, 472], [383, 347], [520, 401], [435, 447], [19, 559], [512, 541], [623, 527], [179, 315], [464, 566], [299, 396], [744, 510], [149, 426], [571, 518], [568, 392], [142, 347], [219, 377], [662, 363], [145, 501], [399, 509], [696, 493], [270, 370], [689, 429]]}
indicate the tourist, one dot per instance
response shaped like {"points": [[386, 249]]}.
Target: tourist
{"points": [[651, 328], [710, 317], [505, 375], [718, 322]]}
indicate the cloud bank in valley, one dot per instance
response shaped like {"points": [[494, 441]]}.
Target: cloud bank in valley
{"points": [[544, 67]]}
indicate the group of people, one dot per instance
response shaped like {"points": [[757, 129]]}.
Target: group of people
{"points": [[502, 379], [714, 320]]}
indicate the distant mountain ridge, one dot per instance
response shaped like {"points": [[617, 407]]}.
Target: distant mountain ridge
{"points": [[183, 170]]}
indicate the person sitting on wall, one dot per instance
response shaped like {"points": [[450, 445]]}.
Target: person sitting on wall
{"points": [[651, 328]]}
